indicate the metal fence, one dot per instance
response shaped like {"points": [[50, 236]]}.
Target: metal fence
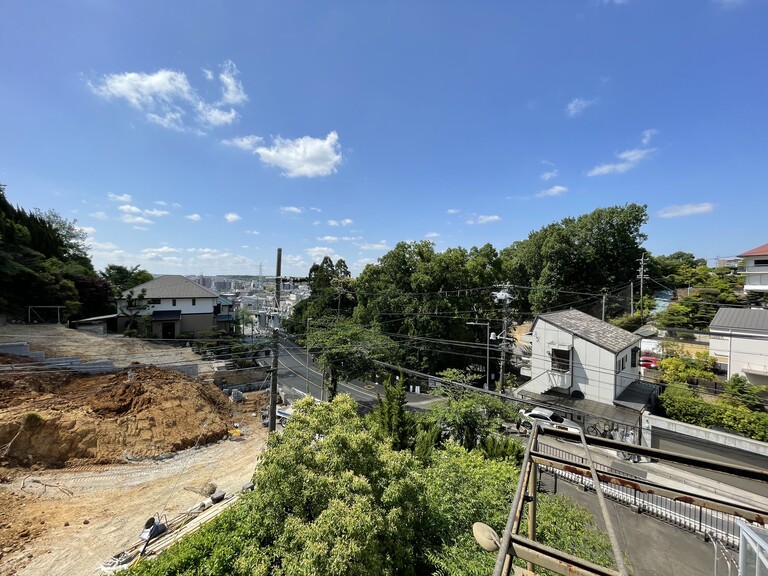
{"points": [[691, 517]]}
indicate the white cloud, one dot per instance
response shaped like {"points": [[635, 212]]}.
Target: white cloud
{"points": [[247, 143], [686, 210], [305, 156], [165, 97], [88, 230], [647, 135], [453, 211], [291, 210], [628, 160], [99, 215], [156, 212], [161, 250], [231, 87], [317, 253], [232, 217], [146, 91], [129, 209], [314, 209], [484, 219], [193, 217], [431, 235], [207, 74], [577, 106], [330, 239], [553, 191], [344, 222], [548, 175], [120, 198], [172, 119], [381, 245], [253, 232], [133, 219], [161, 202], [212, 116]]}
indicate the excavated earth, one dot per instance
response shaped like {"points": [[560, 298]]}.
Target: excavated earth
{"points": [[85, 459]]}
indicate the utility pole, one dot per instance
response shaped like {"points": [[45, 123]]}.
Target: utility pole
{"points": [[603, 318], [504, 296], [275, 330], [642, 277]]}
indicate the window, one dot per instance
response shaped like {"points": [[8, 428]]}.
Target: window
{"points": [[153, 301], [173, 302], [561, 360], [194, 301], [634, 354], [761, 262]]}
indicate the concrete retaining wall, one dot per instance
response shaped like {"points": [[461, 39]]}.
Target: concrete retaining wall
{"points": [[722, 438]]}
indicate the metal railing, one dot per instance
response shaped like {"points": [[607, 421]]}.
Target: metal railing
{"points": [[691, 517]]}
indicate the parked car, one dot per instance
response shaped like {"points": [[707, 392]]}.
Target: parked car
{"points": [[546, 416], [649, 362]]}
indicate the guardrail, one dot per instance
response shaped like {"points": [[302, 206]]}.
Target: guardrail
{"points": [[690, 517]]}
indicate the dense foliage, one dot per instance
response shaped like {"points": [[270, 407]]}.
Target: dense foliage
{"points": [[45, 263], [681, 402], [423, 299], [332, 497], [706, 290]]}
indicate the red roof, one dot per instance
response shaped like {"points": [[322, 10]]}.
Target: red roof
{"points": [[759, 251]]}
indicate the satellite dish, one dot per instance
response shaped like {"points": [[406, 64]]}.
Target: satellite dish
{"points": [[486, 537]]}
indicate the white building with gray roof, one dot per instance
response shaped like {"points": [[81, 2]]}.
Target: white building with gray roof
{"points": [[739, 340], [575, 354]]}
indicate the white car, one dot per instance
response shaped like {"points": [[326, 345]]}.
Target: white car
{"points": [[527, 417]]}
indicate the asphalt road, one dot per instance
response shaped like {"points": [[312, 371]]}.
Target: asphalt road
{"points": [[296, 381]]}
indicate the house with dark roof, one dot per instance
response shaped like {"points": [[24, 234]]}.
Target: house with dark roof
{"points": [[738, 338], [575, 354], [172, 306], [755, 268]]}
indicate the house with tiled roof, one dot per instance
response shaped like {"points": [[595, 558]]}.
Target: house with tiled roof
{"points": [[738, 338], [755, 268], [173, 306], [575, 354]]}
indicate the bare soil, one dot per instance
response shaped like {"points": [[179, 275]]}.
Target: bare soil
{"points": [[86, 459]]}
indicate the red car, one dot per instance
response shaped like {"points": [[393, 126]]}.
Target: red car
{"points": [[649, 362]]}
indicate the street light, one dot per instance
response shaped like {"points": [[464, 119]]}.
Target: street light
{"points": [[487, 350], [306, 336]]}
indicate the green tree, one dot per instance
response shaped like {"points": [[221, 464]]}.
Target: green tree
{"points": [[346, 351], [471, 418], [741, 392], [578, 255], [122, 278], [391, 416]]}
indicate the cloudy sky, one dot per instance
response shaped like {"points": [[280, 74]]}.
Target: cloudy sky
{"points": [[198, 137]]}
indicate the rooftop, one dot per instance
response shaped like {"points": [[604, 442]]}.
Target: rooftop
{"points": [[603, 334], [172, 286], [752, 319], [759, 251]]}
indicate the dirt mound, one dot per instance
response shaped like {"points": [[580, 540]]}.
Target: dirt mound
{"points": [[57, 418]]}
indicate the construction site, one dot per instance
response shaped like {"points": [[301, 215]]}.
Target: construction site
{"points": [[85, 458]]}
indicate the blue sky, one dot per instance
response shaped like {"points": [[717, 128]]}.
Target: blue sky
{"points": [[198, 137]]}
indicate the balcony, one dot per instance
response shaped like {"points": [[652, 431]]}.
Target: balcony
{"points": [[558, 379]]}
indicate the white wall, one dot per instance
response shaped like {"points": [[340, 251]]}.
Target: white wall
{"points": [[202, 305], [593, 368], [742, 353], [649, 422]]}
